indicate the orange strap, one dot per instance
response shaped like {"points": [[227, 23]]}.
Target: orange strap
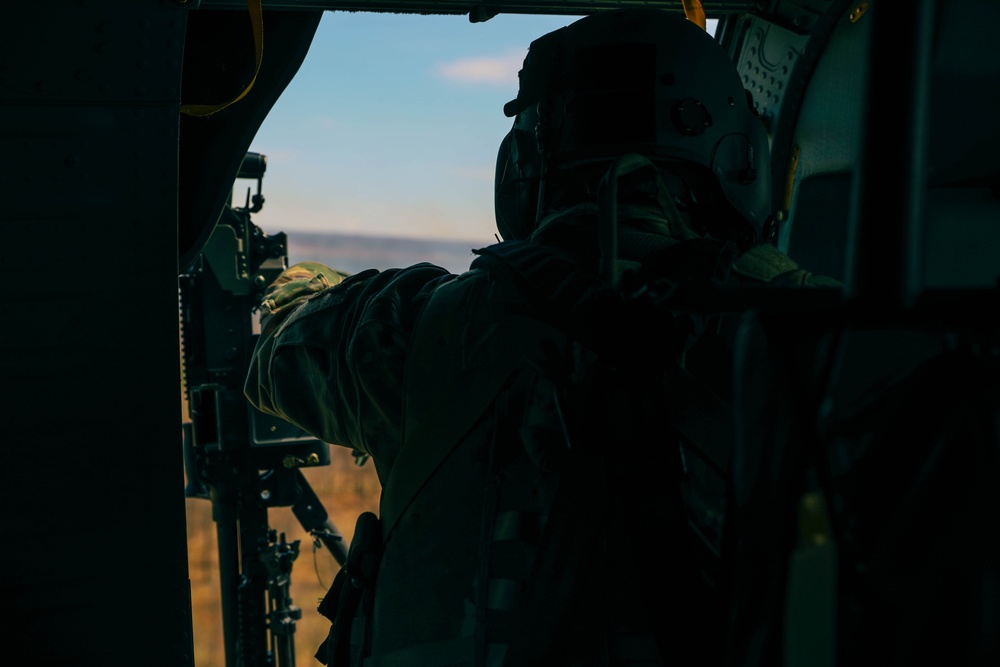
{"points": [[694, 11], [257, 21]]}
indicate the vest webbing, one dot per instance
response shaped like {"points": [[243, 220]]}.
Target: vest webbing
{"points": [[556, 292]]}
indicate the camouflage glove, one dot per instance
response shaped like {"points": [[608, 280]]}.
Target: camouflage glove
{"points": [[298, 282], [766, 264]]}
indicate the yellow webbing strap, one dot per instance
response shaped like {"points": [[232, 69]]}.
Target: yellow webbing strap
{"points": [[257, 21], [695, 12]]}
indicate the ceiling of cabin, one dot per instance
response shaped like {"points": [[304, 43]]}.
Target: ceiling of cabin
{"points": [[712, 8]]}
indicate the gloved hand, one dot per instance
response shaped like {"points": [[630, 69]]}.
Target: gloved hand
{"points": [[297, 282], [765, 263]]}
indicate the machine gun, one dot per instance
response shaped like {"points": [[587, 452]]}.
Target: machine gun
{"points": [[243, 461]]}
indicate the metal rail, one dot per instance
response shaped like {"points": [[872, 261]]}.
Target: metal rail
{"points": [[477, 11]]}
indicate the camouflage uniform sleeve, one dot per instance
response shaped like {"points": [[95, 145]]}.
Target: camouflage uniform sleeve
{"points": [[331, 353]]}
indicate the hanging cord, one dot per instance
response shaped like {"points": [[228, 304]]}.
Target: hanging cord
{"points": [[257, 21]]}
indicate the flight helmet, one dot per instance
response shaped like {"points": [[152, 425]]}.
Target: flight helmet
{"points": [[640, 81]]}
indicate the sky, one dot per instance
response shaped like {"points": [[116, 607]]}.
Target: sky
{"points": [[391, 126]]}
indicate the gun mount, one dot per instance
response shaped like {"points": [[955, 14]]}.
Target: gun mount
{"points": [[242, 460]]}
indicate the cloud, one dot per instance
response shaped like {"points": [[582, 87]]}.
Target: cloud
{"points": [[489, 70], [327, 122]]}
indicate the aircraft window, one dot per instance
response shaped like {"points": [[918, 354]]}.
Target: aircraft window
{"points": [[392, 124]]}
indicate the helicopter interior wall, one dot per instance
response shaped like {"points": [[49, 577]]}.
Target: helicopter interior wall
{"points": [[961, 236], [824, 148], [964, 137], [823, 200], [94, 559], [960, 251]]}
